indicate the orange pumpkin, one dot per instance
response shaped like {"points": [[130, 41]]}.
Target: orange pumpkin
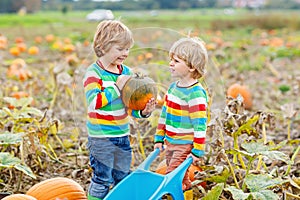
{"points": [[3, 42], [19, 94], [49, 38], [235, 89], [19, 40], [18, 70], [22, 46], [162, 168], [38, 39], [19, 197], [33, 50], [57, 188], [69, 48], [137, 91], [14, 51]]}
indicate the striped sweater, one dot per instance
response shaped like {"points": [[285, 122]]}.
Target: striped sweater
{"points": [[183, 118], [106, 114]]}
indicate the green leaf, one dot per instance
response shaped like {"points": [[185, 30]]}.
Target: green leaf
{"points": [[22, 102], [259, 148], [8, 160], [215, 192], [220, 178], [265, 195], [32, 111], [255, 147], [3, 114], [25, 169], [256, 183], [247, 127], [10, 138], [277, 155], [237, 194]]}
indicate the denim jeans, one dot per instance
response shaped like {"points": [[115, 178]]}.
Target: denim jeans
{"points": [[110, 159]]}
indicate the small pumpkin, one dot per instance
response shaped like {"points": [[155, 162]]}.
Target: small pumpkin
{"points": [[57, 188], [19, 72], [19, 197], [137, 91], [14, 51], [162, 168], [33, 50], [237, 89]]}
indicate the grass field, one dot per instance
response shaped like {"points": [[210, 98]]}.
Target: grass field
{"points": [[75, 23]]}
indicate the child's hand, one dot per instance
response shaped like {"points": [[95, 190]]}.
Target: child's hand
{"points": [[121, 81], [150, 106], [159, 146], [196, 160]]}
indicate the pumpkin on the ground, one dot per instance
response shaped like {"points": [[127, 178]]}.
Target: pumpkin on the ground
{"points": [[18, 70], [162, 168], [137, 91], [19, 197], [57, 188], [236, 89]]}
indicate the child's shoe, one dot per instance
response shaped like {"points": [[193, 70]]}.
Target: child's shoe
{"points": [[92, 198]]}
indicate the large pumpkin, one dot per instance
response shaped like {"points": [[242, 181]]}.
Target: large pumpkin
{"points": [[57, 188], [137, 91], [236, 89], [162, 168], [19, 197]]}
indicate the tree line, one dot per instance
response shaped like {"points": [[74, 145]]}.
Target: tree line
{"points": [[10, 6]]}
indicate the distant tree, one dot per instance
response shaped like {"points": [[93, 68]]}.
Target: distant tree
{"points": [[17, 5], [64, 9], [8, 6], [5, 6], [33, 5]]}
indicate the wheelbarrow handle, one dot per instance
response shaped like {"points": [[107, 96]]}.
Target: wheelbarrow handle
{"points": [[145, 165]]}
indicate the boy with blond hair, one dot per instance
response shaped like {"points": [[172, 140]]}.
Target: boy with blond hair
{"points": [[183, 120], [107, 118]]}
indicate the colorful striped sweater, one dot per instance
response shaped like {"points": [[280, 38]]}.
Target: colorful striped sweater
{"points": [[183, 118], [106, 114]]}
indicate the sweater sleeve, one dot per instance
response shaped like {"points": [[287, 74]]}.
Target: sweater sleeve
{"points": [[161, 127], [98, 96], [198, 115]]}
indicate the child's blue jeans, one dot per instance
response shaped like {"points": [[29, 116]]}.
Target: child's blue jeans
{"points": [[110, 159]]}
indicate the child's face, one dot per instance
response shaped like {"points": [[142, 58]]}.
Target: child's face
{"points": [[179, 69], [117, 54]]}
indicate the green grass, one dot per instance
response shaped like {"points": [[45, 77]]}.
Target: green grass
{"points": [[74, 23]]}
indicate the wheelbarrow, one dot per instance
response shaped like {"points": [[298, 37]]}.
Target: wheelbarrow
{"points": [[143, 184]]}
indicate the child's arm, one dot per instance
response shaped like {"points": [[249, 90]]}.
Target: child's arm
{"points": [[161, 127], [198, 115], [96, 93]]}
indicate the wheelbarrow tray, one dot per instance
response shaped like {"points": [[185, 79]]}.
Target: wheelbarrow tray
{"points": [[143, 184]]}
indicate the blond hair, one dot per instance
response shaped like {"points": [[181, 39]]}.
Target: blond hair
{"points": [[193, 52], [111, 32]]}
